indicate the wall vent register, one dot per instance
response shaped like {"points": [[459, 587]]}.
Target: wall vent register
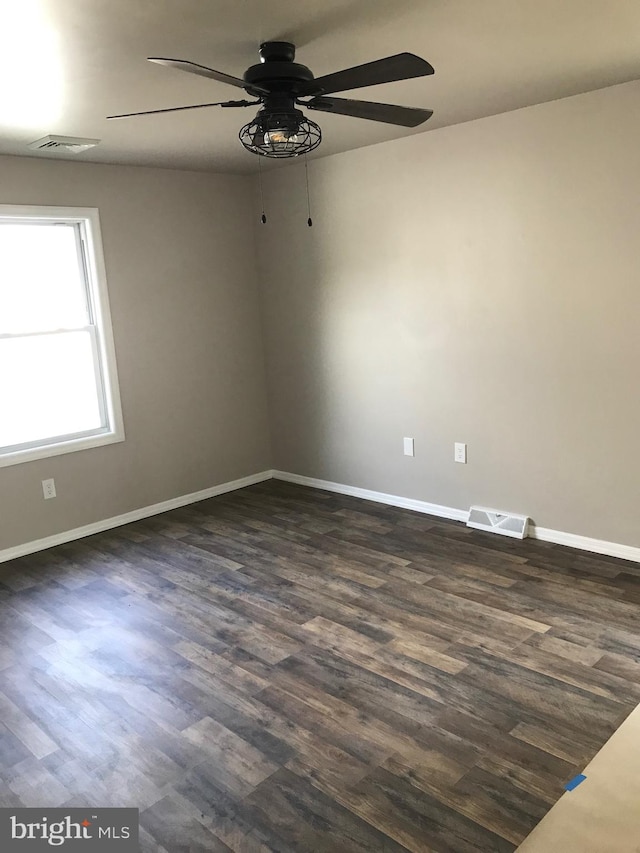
{"points": [[494, 521]]}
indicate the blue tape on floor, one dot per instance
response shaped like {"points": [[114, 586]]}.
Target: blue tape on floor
{"points": [[573, 783]]}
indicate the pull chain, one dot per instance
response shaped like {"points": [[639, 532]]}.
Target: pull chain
{"points": [[306, 172], [263, 218]]}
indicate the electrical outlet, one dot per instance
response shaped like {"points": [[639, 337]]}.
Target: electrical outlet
{"points": [[460, 452], [49, 489], [409, 447]]}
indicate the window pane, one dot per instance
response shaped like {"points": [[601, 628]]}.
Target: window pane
{"points": [[48, 387], [41, 282]]}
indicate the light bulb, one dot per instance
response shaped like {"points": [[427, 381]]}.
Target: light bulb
{"points": [[281, 138]]}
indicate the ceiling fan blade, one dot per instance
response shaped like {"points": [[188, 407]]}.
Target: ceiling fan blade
{"points": [[190, 107], [402, 66], [203, 71], [389, 113]]}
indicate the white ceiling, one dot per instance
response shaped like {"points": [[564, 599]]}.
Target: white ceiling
{"points": [[66, 64]]}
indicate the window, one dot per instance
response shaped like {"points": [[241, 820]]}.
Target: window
{"points": [[58, 383]]}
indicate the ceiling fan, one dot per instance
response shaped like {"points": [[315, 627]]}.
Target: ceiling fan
{"points": [[281, 85]]}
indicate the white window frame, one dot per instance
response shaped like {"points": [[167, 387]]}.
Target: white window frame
{"points": [[87, 222]]}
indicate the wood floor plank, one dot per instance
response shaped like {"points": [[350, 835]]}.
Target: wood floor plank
{"points": [[624, 667], [25, 729], [239, 766], [287, 670], [570, 749], [420, 652], [306, 818], [415, 819], [179, 829]]}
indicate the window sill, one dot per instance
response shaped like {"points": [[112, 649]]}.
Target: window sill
{"points": [[30, 454]]}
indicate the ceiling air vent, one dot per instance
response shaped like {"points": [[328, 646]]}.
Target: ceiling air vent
{"points": [[494, 521], [71, 144]]}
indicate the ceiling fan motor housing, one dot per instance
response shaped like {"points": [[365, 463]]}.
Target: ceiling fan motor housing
{"points": [[286, 117], [276, 71], [277, 51]]}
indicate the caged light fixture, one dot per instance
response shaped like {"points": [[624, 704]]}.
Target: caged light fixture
{"points": [[281, 134]]}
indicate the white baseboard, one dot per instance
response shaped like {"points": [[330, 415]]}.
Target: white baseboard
{"points": [[545, 534], [586, 543], [128, 517], [378, 497]]}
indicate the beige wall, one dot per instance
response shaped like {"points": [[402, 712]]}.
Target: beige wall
{"points": [[478, 283], [180, 264]]}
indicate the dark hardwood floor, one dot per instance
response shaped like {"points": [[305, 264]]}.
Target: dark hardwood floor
{"points": [[283, 669]]}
